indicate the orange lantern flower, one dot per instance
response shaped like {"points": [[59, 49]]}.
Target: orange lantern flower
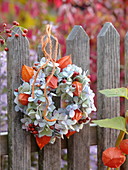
{"points": [[78, 88], [64, 61], [124, 146], [70, 133], [27, 73], [53, 82], [23, 98], [78, 115], [41, 142], [113, 157]]}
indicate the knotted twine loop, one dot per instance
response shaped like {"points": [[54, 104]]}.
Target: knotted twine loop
{"points": [[46, 39]]}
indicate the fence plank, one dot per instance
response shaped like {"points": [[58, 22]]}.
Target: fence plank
{"points": [[108, 61], [4, 162], [125, 165], [18, 140], [0, 162], [34, 147], [79, 143], [50, 155], [3, 143]]}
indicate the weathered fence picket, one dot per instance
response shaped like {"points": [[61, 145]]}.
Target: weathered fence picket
{"points": [[108, 60], [50, 156], [78, 145], [125, 165], [21, 144]]}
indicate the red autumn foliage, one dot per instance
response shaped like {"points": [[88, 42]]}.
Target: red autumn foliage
{"points": [[78, 88], [27, 73], [124, 146], [41, 142], [53, 81], [58, 2], [23, 98], [70, 133], [113, 157], [78, 115], [64, 61]]}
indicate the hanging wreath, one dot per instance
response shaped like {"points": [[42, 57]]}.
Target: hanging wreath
{"points": [[42, 84]]}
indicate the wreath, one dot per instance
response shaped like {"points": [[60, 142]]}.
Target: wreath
{"points": [[37, 96]]}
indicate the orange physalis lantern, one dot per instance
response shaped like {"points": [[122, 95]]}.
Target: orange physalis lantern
{"points": [[41, 142], [70, 133], [78, 88], [23, 98], [78, 115], [53, 82], [113, 157], [27, 73], [124, 146], [64, 61]]}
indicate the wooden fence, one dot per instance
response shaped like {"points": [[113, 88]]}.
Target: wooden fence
{"points": [[19, 144]]}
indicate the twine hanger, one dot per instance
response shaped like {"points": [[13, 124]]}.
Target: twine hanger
{"points": [[45, 40]]}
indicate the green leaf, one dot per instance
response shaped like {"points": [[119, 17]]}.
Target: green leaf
{"points": [[114, 123], [25, 87], [118, 92], [46, 131], [83, 96]]}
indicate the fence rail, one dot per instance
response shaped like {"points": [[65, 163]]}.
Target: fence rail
{"points": [[18, 144], [34, 147]]}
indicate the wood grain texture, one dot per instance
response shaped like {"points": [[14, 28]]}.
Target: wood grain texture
{"points": [[3, 144], [19, 145], [108, 65], [40, 52], [50, 155], [125, 165], [0, 162], [77, 45], [35, 148], [4, 162]]}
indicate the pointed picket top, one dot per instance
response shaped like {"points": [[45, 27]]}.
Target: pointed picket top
{"points": [[126, 48], [40, 52], [108, 27], [77, 29], [19, 143], [20, 44], [17, 30], [108, 76], [77, 45], [126, 52], [126, 36]]}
